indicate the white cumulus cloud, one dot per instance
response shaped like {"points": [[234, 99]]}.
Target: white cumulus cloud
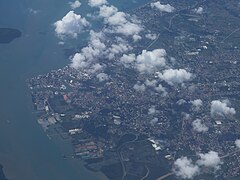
{"points": [[102, 77], [75, 4], [96, 3], [184, 168], [161, 89], [237, 143], [199, 126], [175, 76], [163, 7], [139, 87], [147, 61], [198, 10], [152, 110], [210, 159], [70, 25], [120, 22], [85, 59], [151, 36], [221, 108], [98, 47], [157, 87], [154, 121], [119, 47], [197, 104], [151, 83], [107, 11], [127, 60]]}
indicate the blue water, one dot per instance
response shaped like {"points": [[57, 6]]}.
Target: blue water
{"points": [[25, 151]]}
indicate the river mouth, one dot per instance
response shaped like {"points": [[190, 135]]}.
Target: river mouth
{"points": [[7, 35]]}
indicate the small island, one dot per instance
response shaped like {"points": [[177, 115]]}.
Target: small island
{"points": [[2, 176], [7, 35]]}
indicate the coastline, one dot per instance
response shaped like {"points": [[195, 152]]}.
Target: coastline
{"points": [[25, 150], [2, 175], [7, 35]]}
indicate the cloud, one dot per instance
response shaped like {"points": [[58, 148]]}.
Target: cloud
{"points": [[198, 126], [181, 102], [175, 76], [154, 121], [151, 36], [147, 61], [70, 25], [139, 87], [116, 21], [155, 86], [198, 10], [120, 23], [237, 143], [163, 8], [152, 83], [186, 116], [95, 68], [210, 159], [99, 46], [75, 4], [123, 26], [33, 11], [221, 108], [128, 29], [85, 59], [118, 18], [102, 77], [97, 49], [96, 3], [107, 11], [119, 47], [161, 89], [128, 60], [152, 110], [197, 104], [136, 37], [184, 168]]}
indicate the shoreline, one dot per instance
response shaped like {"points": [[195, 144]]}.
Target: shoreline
{"points": [[2, 174], [7, 35]]}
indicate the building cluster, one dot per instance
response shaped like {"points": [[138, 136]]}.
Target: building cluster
{"points": [[98, 114]]}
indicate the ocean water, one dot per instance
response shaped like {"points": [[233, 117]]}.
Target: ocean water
{"points": [[26, 152]]}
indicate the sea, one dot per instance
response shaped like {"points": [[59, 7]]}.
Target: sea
{"points": [[26, 152]]}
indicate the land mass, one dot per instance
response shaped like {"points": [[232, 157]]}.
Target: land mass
{"points": [[133, 125], [2, 176], [7, 35]]}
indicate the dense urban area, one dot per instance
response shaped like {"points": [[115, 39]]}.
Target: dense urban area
{"points": [[168, 104]]}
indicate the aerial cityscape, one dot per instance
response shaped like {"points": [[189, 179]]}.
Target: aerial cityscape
{"points": [[151, 94]]}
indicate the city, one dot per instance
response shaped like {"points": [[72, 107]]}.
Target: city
{"points": [[135, 120]]}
